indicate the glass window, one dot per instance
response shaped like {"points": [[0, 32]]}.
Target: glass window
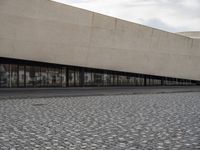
{"points": [[155, 82], [51, 79], [106, 79], [33, 76], [128, 80], [21, 76], [147, 81], [98, 79], [29, 77], [151, 81], [131, 81], [14, 75], [54, 77], [167, 81], [177, 81], [89, 78], [77, 78], [111, 79], [71, 77], [120, 80], [142, 81], [115, 79], [4, 75], [44, 77], [63, 77], [37, 76], [58, 77]]}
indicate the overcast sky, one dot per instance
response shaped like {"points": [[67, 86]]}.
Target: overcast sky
{"points": [[169, 15]]}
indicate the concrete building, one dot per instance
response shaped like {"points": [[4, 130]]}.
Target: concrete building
{"points": [[48, 44], [193, 34]]}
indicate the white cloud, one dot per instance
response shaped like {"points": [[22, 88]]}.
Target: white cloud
{"points": [[169, 15]]}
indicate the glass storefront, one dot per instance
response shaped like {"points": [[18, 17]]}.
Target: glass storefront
{"points": [[88, 78], [21, 76], [33, 76], [44, 76], [54, 77], [63, 77], [77, 77], [14, 75], [71, 77], [98, 79], [17, 73], [5, 75]]}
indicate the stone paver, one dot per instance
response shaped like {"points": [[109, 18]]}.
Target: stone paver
{"points": [[126, 122]]}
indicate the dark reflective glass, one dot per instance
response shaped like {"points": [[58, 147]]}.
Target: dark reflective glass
{"points": [[131, 80], [14, 75], [58, 77], [5, 75], [51, 78], [106, 79], [44, 76], [98, 79], [33, 76], [18, 75], [115, 79], [89, 78], [77, 78], [54, 77], [63, 77], [21, 76], [111, 79], [29, 77], [71, 78]]}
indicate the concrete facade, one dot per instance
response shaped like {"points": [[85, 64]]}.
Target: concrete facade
{"points": [[192, 34], [46, 31]]}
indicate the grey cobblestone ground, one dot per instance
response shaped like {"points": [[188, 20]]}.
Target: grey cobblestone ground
{"points": [[126, 122]]}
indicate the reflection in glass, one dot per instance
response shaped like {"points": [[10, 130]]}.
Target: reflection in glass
{"points": [[131, 80], [122, 80], [54, 77], [77, 78], [71, 77], [4, 75], [98, 79], [63, 77], [14, 75], [58, 77], [44, 77], [115, 79], [21, 76], [50, 79], [88, 79], [107, 79], [111, 80], [32, 76]]}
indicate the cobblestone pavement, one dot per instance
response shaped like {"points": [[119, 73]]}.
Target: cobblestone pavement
{"points": [[126, 122]]}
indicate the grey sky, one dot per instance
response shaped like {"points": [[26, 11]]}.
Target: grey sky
{"points": [[169, 15]]}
